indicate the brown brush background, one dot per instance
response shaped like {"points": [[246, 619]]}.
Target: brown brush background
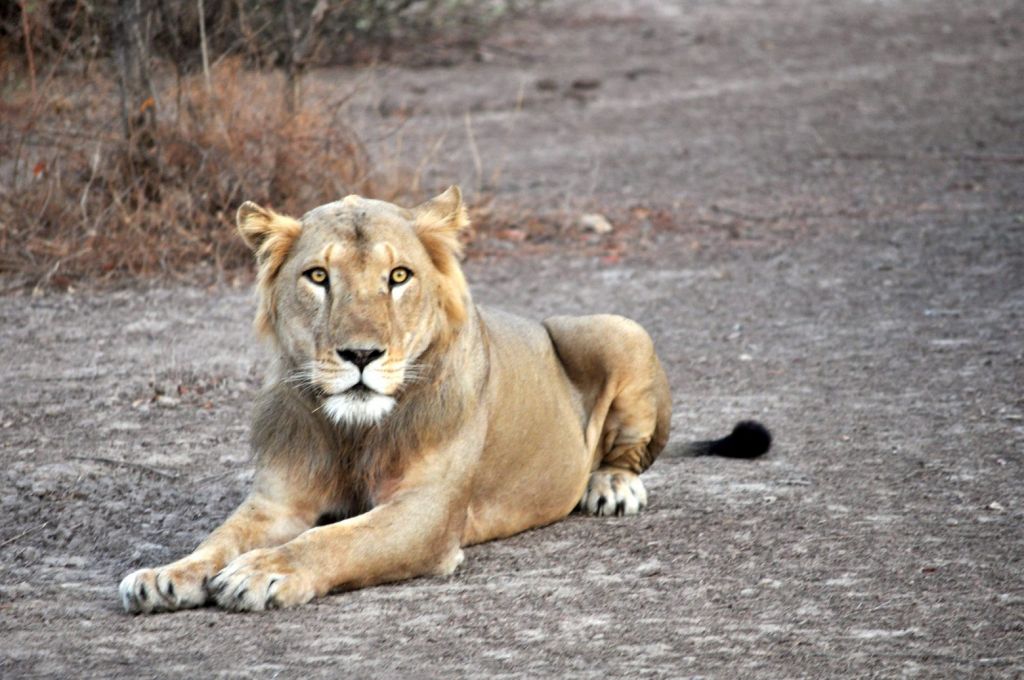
{"points": [[133, 130]]}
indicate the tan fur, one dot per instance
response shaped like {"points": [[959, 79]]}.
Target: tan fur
{"points": [[490, 424], [270, 236], [438, 223]]}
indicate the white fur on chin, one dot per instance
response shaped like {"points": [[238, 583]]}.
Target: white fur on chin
{"points": [[359, 409]]}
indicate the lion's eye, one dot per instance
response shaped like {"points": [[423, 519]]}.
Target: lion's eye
{"points": [[317, 275], [399, 275]]}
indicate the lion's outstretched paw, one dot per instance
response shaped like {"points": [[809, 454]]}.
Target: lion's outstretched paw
{"points": [[179, 585], [613, 491], [259, 580]]}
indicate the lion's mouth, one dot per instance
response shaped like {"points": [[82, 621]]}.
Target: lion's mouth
{"points": [[361, 389]]}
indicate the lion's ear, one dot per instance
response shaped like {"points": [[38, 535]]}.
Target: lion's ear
{"points": [[442, 218], [438, 223], [252, 221], [258, 225], [270, 236]]}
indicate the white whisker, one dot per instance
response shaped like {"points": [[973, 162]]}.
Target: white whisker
{"points": [[301, 376]]}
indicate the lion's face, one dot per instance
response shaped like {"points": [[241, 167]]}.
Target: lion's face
{"points": [[355, 293]]}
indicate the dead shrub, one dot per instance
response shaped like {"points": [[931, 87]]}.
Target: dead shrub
{"points": [[78, 200], [124, 153]]}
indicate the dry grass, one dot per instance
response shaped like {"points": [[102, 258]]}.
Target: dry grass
{"points": [[82, 198], [78, 201]]}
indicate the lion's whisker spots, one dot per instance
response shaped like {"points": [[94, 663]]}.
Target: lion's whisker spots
{"points": [[306, 369], [414, 373]]}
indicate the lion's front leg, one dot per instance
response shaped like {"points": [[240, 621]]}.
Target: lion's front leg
{"points": [[264, 519], [414, 532], [392, 542]]}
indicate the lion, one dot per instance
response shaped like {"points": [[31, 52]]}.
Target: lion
{"points": [[401, 422]]}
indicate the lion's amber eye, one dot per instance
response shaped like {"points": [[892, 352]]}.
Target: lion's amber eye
{"points": [[317, 275], [399, 275]]}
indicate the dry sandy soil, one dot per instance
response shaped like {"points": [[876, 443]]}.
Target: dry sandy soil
{"points": [[825, 207]]}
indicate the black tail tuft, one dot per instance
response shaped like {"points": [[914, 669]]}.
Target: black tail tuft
{"points": [[749, 439]]}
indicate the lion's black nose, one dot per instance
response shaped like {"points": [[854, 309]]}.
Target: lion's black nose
{"points": [[360, 357]]}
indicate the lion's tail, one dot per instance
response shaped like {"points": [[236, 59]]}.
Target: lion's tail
{"points": [[749, 439]]}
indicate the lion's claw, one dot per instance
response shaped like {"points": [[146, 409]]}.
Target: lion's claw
{"points": [[260, 580], [613, 491], [179, 585]]}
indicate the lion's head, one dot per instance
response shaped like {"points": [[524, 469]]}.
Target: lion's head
{"points": [[356, 294]]}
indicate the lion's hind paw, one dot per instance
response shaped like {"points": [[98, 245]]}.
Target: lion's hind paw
{"points": [[613, 491]]}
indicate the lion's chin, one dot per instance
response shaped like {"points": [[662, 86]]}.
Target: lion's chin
{"points": [[359, 408]]}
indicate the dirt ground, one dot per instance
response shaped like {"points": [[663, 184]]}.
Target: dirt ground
{"points": [[825, 207]]}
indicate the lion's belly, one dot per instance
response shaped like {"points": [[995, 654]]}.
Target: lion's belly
{"points": [[535, 463]]}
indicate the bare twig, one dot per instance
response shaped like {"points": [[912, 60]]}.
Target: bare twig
{"points": [[1010, 159], [27, 31], [477, 163], [23, 534], [204, 48], [94, 168], [125, 463], [301, 48], [213, 478], [37, 102], [427, 157]]}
